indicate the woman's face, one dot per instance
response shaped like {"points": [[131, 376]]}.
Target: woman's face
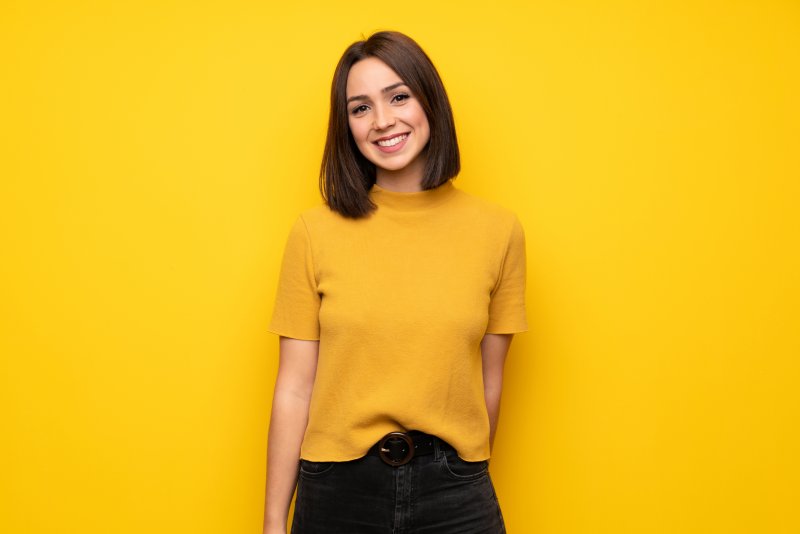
{"points": [[387, 121]]}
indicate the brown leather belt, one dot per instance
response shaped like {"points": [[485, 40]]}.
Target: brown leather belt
{"points": [[398, 448]]}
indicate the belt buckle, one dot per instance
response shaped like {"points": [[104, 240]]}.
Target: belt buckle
{"points": [[393, 443]]}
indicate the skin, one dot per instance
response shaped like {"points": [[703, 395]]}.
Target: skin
{"points": [[290, 404], [375, 114]]}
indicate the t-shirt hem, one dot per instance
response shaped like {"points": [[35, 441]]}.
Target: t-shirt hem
{"points": [[503, 329], [292, 334], [360, 457], [357, 456]]}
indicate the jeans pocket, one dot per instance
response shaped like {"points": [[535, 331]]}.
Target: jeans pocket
{"points": [[460, 469], [309, 469]]}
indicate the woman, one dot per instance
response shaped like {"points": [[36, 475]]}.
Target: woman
{"points": [[396, 304]]}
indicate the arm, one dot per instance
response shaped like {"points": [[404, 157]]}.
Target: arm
{"points": [[290, 404], [494, 348]]}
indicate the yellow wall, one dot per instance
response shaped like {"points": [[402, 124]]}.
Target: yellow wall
{"points": [[153, 155]]}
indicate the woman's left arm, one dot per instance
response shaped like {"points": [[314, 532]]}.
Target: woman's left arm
{"points": [[494, 348]]}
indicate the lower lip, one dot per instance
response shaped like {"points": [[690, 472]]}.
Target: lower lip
{"points": [[395, 148]]}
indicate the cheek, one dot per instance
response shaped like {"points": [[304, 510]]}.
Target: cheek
{"points": [[420, 119], [359, 135], [357, 131], [424, 126]]}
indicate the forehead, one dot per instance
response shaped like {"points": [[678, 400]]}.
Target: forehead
{"points": [[369, 76]]}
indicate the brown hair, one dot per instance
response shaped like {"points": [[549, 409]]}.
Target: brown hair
{"points": [[346, 176]]}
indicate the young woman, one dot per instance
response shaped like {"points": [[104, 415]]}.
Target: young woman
{"points": [[397, 300]]}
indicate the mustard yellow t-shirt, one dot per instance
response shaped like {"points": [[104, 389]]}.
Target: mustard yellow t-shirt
{"points": [[399, 302]]}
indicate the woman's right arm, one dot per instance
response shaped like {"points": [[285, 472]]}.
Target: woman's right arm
{"points": [[290, 403]]}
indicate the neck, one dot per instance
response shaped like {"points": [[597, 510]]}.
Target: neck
{"points": [[406, 180], [412, 201]]}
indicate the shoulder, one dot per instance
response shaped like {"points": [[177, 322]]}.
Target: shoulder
{"points": [[320, 220], [322, 214], [316, 214], [488, 212]]}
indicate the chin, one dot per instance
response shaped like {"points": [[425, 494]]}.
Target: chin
{"points": [[392, 168]]}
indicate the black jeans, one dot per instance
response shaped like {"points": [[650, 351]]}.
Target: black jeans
{"points": [[436, 493]]}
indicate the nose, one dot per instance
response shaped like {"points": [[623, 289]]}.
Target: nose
{"points": [[383, 118]]}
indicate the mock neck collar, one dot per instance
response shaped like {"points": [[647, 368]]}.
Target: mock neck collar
{"points": [[412, 201]]}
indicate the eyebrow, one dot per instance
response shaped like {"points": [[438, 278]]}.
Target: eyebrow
{"points": [[384, 90]]}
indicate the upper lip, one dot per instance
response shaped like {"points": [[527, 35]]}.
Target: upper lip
{"points": [[387, 137]]}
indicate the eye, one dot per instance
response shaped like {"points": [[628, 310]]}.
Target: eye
{"points": [[359, 109], [399, 97]]}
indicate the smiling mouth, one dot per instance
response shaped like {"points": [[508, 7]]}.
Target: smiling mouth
{"points": [[393, 141]]}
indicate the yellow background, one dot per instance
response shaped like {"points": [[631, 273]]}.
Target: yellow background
{"points": [[154, 154]]}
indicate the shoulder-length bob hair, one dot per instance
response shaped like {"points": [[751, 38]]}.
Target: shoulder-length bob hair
{"points": [[346, 176]]}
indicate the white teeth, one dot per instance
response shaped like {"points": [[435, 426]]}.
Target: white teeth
{"points": [[393, 141]]}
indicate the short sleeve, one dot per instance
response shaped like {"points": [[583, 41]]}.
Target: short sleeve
{"points": [[507, 313], [297, 301]]}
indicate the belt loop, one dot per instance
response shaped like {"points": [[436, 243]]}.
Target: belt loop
{"points": [[436, 449]]}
